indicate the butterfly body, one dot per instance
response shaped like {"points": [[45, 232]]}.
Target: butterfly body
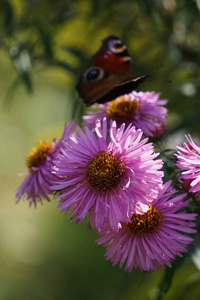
{"points": [[110, 76]]}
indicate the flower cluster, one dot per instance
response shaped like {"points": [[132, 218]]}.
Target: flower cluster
{"points": [[39, 161], [109, 171], [188, 163], [142, 109], [151, 239]]}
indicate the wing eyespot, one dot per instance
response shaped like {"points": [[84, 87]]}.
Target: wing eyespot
{"points": [[94, 74]]}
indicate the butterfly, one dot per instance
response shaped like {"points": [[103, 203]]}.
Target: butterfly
{"points": [[110, 76]]}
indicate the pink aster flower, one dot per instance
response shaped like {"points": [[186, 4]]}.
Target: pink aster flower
{"points": [[152, 239], [107, 174], [188, 163], [39, 161], [142, 109]]}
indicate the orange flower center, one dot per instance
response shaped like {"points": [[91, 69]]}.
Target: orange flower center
{"points": [[145, 223], [104, 171], [37, 156], [121, 110]]}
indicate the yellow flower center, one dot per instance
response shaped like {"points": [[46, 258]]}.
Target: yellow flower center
{"points": [[37, 156], [121, 109], [146, 223], [104, 171]]}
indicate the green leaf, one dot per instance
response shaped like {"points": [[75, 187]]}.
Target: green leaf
{"points": [[77, 109], [8, 14], [21, 60], [81, 55], [47, 41], [168, 277], [9, 95], [67, 67]]}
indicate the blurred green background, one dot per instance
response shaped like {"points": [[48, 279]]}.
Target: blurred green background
{"points": [[44, 47]]}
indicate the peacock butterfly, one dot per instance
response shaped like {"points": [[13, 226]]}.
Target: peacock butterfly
{"points": [[110, 76]]}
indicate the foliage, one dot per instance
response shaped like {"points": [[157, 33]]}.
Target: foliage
{"points": [[42, 34]]}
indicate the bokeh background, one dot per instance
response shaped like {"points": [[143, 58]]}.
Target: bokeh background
{"points": [[44, 47]]}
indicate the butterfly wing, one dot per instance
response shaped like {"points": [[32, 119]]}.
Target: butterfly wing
{"points": [[103, 91], [113, 56], [123, 88], [95, 83], [111, 75]]}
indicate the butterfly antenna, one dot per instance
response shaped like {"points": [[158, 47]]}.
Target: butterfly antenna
{"points": [[160, 79]]}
